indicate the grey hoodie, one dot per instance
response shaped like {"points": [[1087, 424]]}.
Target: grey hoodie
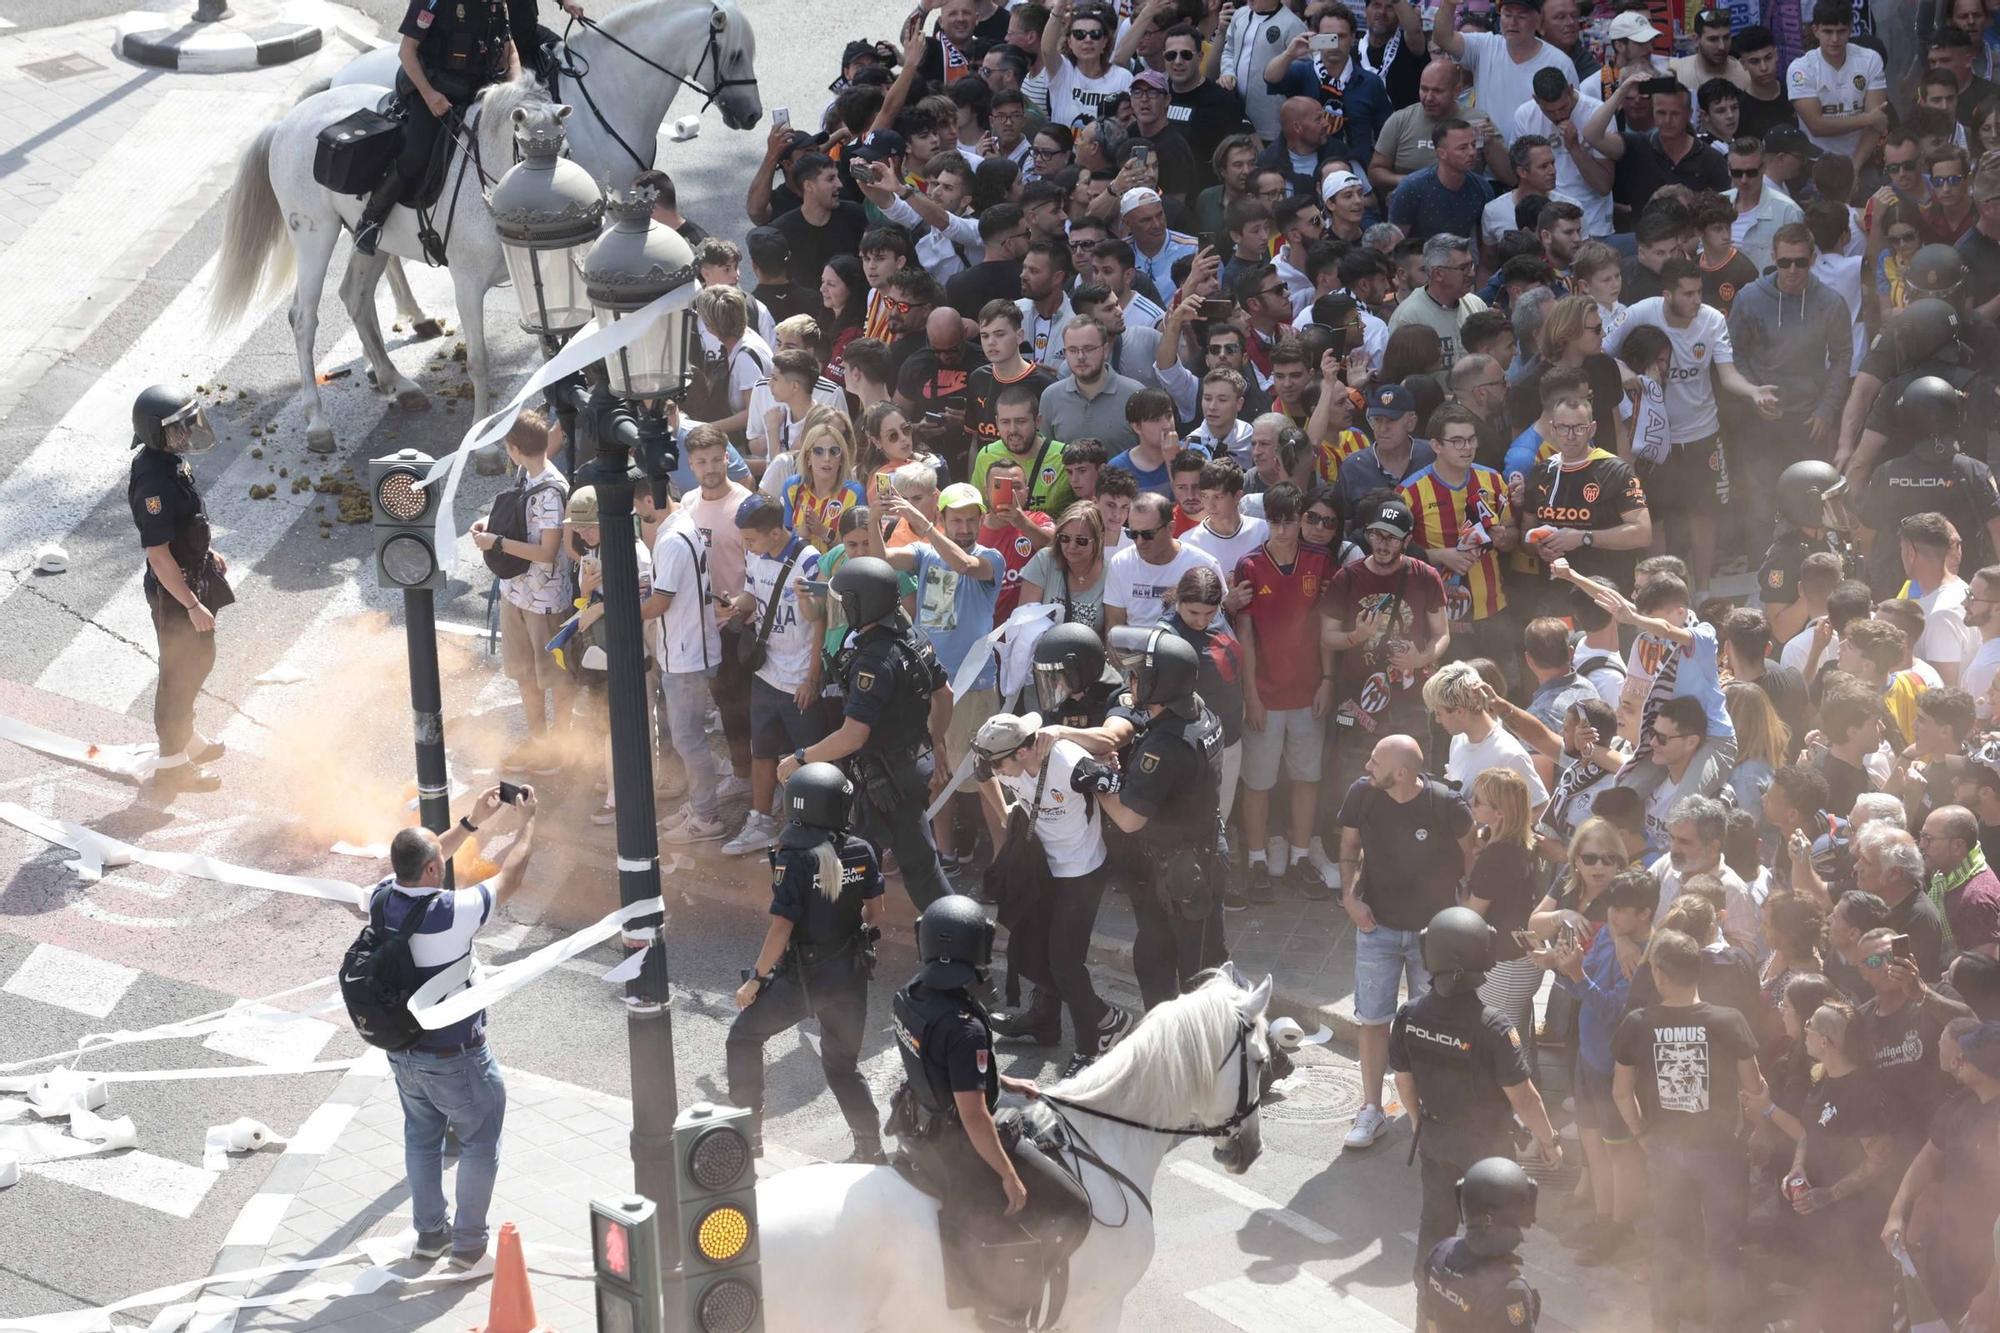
{"points": [[1803, 345]]}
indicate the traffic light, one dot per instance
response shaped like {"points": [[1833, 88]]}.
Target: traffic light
{"points": [[717, 1172], [625, 1252], [405, 517]]}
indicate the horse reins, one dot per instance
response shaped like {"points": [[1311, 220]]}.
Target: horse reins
{"points": [[577, 71]]}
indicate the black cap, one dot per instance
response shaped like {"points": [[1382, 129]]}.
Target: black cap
{"points": [[1791, 139]]}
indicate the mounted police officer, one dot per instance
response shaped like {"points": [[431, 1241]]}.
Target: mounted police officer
{"points": [[818, 953], [1937, 474], [888, 675], [1473, 1283], [451, 49], [1171, 787], [1460, 1069], [185, 579], [942, 1116]]}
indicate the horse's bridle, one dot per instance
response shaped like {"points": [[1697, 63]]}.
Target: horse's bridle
{"points": [[713, 54], [1247, 1098]]}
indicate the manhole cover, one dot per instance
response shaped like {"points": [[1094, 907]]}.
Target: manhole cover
{"points": [[60, 67], [1315, 1094]]}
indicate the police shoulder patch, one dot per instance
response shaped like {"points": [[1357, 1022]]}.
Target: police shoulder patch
{"points": [[982, 1057], [1517, 1313], [152, 504], [864, 680], [1514, 1036], [1776, 578], [1149, 763]]}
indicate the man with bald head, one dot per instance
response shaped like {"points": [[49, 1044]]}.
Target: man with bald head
{"points": [[1302, 140], [934, 379], [1404, 839], [1961, 883], [1408, 141]]}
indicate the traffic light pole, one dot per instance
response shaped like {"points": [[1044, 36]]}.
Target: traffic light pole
{"points": [[427, 712], [649, 1026]]}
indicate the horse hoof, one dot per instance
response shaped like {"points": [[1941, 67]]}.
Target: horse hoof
{"points": [[489, 462], [413, 400], [319, 440], [426, 329]]}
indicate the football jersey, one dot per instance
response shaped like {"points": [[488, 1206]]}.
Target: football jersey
{"points": [[1840, 92], [1283, 609], [1593, 495], [1328, 455], [1463, 518], [1703, 344]]}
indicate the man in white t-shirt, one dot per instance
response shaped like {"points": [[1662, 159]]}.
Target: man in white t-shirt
{"points": [[1503, 64], [1982, 617], [1225, 534], [1139, 581], [1948, 643], [1838, 89], [1682, 489], [1478, 743], [1582, 173], [690, 651]]}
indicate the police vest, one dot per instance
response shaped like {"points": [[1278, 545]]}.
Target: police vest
{"points": [[795, 869], [1456, 1091], [1467, 1293], [923, 1020], [905, 724], [1191, 817]]}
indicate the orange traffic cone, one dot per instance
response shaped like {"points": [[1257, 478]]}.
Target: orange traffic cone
{"points": [[513, 1306]]}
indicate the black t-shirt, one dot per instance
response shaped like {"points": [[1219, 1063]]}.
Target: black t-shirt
{"points": [[1207, 114], [1686, 1058], [1646, 169], [1411, 862], [1840, 1112], [1760, 117], [785, 299], [1403, 73], [1463, 1055], [937, 388], [1594, 495], [1509, 878], [813, 244], [982, 391], [1919, 918], [1843, 780], [968, 290], [1640, 284], [1607, 390], [1981, 254], [1720, 284], [1903, 1048]]}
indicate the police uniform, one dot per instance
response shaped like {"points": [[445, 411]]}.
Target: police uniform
{"points": [[168, 511], [1173, 776], [1960, 487], [1463, 1292], [1462, 1054], [889, 677], [1778, 580], [823, 974]]}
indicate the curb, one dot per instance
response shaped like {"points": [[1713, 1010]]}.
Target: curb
{"points": [[159, 41]]}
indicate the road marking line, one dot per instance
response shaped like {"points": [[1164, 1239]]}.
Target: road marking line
{"points": [[1245, 1197], [323, 1128], [270, 1036], [258, 1221], [170, 1187], [71, 980], [1300, 1303]]}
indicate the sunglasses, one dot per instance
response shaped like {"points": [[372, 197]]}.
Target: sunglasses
{"points": [[1905, 238], [900, 307], [1087, 34], [1746, 173], [1319, 520], [1598, 859], [1951, 182], [1143, 534], [1792, 263], [1078, 539], [1898, 168], [1177, 56], [826, 451]]}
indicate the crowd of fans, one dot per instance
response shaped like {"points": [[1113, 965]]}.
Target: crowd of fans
{"points": [[1440, 376]]}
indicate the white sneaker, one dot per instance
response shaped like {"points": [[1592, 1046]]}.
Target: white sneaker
{"points": [[758, 832], [1369, 1125], [695, 829], [1328, 870], [731, 787], [1277, 855]]}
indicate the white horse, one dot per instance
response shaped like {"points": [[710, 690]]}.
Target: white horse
{"points": [[706, 43], [857, 1246]]}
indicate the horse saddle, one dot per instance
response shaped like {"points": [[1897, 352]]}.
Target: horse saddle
{"points": [[1012, 1273]]}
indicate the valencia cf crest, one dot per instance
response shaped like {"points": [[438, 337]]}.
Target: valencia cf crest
{"points": [[1590, 492], [153, 504], [1700, 351], [1387, 397], [1860, 84], [1149, 763]]}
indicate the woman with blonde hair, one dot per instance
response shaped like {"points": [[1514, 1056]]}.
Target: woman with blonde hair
{"points": [[1572, 338], [822, 486], [1762, 744], [1070, 569], [1503, 886]]}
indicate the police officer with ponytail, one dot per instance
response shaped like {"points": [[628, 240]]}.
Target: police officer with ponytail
{"points": [[1460, 1070], [1170, 788], [818, 953], [1473, 1283]]}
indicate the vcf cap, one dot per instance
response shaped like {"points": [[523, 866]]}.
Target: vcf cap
{"points": [[1391, 400], [1393, 518]]}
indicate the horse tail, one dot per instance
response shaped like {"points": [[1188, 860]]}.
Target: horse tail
{"points": [[313, 89], [250, 239]]}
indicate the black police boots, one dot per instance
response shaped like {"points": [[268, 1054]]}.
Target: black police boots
{"points": [[867, 1152], [1040, 1024]]}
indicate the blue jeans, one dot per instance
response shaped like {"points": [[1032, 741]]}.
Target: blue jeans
{"points": [[462, 1092], [686, 696], [1382, 957]]}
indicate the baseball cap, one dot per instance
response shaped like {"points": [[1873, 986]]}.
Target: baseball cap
{"points": [[1394, 518], [1791, 139], [582, 505], [960, 494], [1004, 733], [750, 514], [1631, 26], [1390, 400], [1137, 197], [880, 52], [1150, 78], [879, 146], [1535, 5], [1338, 181]]}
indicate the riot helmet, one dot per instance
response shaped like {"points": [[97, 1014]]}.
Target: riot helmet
{"points": [[1496, 1202], [820, 795], [1935, 270], [1812, 494], [1162, 665], [1922, 330], [170, 420], [1457, 948], [1930, 413], [868, 590], [1069, 660], [955, 942]]}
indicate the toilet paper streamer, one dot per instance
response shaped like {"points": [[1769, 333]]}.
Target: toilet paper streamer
{"points": [[242, 1135], [198, 1026], [435, 1004], [127, 761]]}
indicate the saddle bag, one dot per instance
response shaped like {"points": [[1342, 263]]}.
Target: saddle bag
{"points": [[356, 152]]}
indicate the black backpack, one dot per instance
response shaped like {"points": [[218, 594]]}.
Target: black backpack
{"points": [[378, 976], [509, 518]]}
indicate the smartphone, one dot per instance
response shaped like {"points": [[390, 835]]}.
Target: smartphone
{"points": [[1142, 153], [817, 587], [1215, 308], [1664, 84], [1324, 41], [1525, 941], [1899, 945], [509, 794], [1003, 490], [781, 115]]}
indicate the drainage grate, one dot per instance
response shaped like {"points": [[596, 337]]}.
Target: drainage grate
{"points": [[57, 68], [1316, 1094]]}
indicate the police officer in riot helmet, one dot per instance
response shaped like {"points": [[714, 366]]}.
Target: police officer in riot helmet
{"points": [[1932, 335], [942, 1116], [818, 953], [1460, 1069], [1170, 787], [1933, 419], [1815, 509], [888, 674], [1473, 1283], [450, 50], [186, 580]]}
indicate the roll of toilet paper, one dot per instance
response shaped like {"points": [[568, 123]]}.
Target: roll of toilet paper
{"points": [[10, 1170], [687, 127], [240, 1135]]}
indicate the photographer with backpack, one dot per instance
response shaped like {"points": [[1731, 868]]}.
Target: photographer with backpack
{"points": [[447, 1077]]}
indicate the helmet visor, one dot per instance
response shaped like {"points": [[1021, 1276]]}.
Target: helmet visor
{"points": [[188, 431], [1051, 686], [1837, 505]]}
